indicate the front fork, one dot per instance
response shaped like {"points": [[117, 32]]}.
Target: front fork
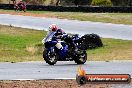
{"points": [[51, 51]]}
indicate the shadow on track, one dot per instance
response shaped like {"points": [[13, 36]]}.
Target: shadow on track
{"points": [[65, 64]]}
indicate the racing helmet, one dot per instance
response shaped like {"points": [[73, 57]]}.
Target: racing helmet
{"points": [[53, 27], [60, 31]]}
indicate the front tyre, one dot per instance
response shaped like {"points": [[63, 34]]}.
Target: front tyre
{"points": [[80, 58], [51, 59]]}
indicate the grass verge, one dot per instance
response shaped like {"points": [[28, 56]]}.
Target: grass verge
{"points": [[117, 18], [20, 44]]}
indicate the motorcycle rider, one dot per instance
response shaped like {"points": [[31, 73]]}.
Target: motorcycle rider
{"points": [[54, 31], [20, 4]]}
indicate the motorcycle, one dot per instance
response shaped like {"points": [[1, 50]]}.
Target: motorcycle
{"points": [[63, 51], [21, 7]]}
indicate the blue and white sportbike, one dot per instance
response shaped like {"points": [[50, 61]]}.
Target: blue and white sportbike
{"points": [[61, 50]]}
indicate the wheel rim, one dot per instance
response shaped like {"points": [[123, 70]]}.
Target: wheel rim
{"points": [[52, 58], [82, 58]]}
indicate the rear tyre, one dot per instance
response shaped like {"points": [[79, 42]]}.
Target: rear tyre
{"points": [[80, 58], [50, 59], [24, 10]]}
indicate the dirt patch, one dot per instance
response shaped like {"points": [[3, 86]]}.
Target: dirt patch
{"points": [[49, 84]]}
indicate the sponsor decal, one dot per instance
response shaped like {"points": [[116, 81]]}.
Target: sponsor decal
{"points": [[83, 78]]}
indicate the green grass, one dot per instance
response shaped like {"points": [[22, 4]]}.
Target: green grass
{"points": [[117, 18], [17, 44], [113, 49], [20, 44]]}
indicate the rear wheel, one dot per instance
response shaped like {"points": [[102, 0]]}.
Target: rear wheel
{"points": [[80, 58], [24, 9], [50, 58]]}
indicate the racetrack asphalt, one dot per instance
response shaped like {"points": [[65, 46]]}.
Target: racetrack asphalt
{"points": [[61, 70], [105, 30]]}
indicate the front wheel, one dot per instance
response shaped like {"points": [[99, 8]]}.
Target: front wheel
{"points": [[80, 58], [50, 58]]}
